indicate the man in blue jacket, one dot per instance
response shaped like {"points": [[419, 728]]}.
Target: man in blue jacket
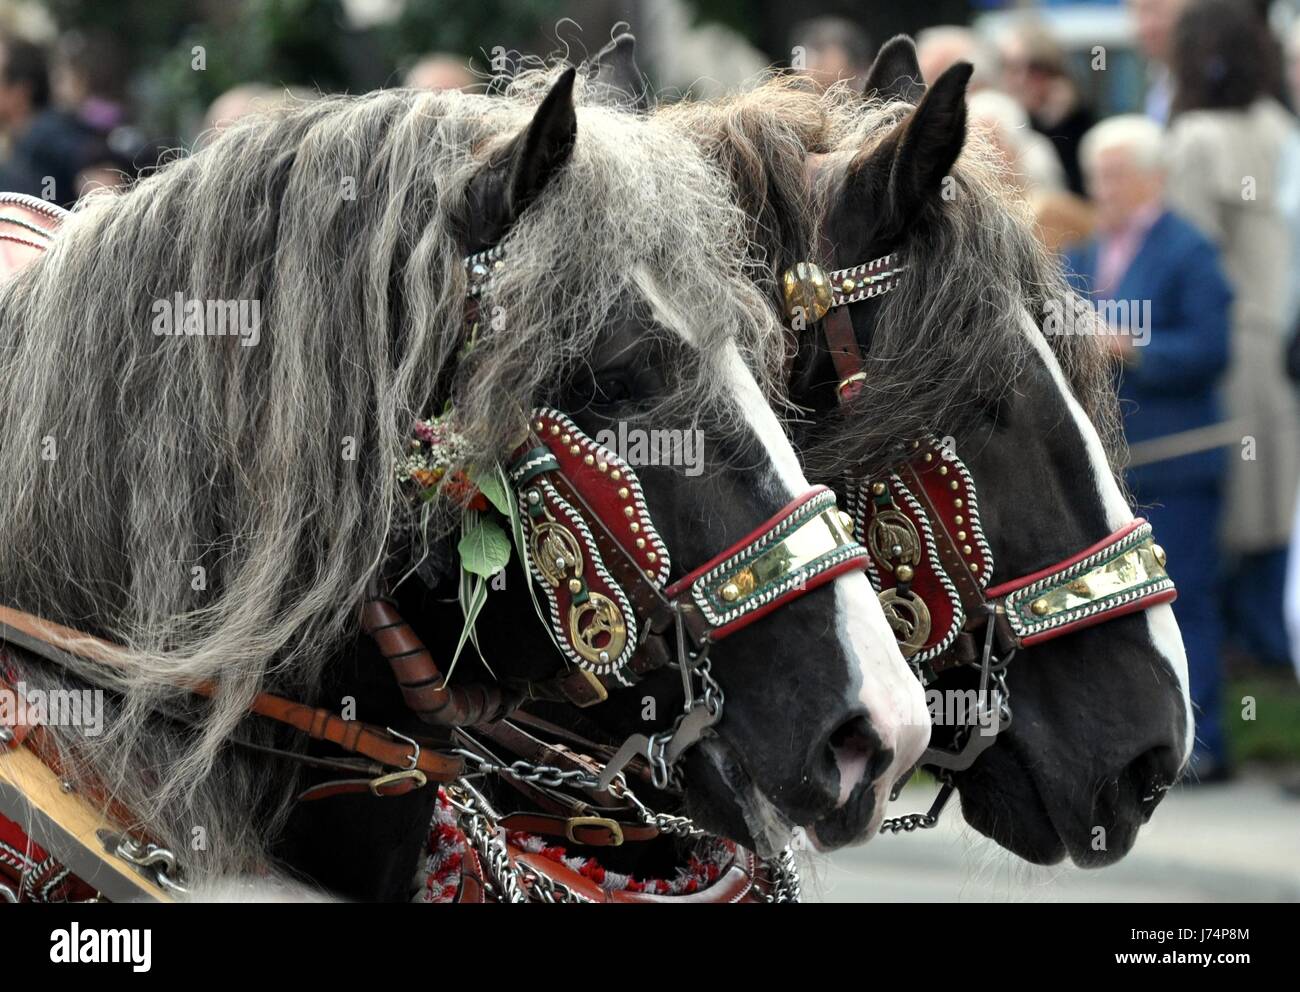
{"points": [[1156, 280]]}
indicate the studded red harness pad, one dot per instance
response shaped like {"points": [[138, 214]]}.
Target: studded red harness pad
{"points": [[929, 559]]}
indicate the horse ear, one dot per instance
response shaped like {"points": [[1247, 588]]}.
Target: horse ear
{"points": [[545, 147], [614, 69], [896, 73], [912, 162], [503, 189]]}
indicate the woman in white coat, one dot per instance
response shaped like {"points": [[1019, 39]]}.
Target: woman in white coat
{"points": [[1234, 171]]}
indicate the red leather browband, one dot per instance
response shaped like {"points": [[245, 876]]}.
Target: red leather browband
{"points": [[838, 554]]}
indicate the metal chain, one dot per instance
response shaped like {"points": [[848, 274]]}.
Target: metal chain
{"points": [[506, 879], [992, 670], [481, 828], [160, 863], [786, 885]]}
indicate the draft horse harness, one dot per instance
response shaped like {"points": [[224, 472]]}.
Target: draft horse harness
{"points": [[930, 562], [603, 569]]}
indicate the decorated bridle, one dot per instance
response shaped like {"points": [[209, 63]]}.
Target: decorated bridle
{"points": [[603, 569], [928, 558]]}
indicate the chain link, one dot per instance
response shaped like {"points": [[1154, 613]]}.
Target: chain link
{"points": [[506, 878], [518, 881], [160, 863]]}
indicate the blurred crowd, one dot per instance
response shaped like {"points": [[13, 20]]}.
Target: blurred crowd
{"points": [[1181, 222]]}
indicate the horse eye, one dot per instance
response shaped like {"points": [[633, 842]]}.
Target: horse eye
{"points": [[611, 389], [994, 409]]}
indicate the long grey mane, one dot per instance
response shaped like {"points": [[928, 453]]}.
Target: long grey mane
{"points": [[218, 509]]}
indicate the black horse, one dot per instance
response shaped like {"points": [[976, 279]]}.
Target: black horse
{"points": [[956, 351]]}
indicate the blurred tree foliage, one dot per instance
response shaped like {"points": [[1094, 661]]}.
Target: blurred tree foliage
{"points": [[308, 43]]}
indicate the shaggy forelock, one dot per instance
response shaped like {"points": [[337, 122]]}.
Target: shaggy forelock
{"points": [[271, 468], [949, 338]]}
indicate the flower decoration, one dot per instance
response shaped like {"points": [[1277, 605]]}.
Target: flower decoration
{"points": [[428, 469]]}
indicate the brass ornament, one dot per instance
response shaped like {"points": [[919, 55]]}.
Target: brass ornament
{"points": [[893, 540], [909, 619], [597, 629], [806, 292], [555, 551], [738, 586]]}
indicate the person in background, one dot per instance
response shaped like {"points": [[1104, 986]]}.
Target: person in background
{"points": [[1173, 356], [1028, 156], [1234, 155], [249, 98], [1034, 71], [440, 71], [943, 46], [1293, 64], [88, 79], [1062, 218], [833, 49], [1154, 22], [47, 147]]}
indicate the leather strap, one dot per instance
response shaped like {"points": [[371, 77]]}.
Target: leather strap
{"points": [[417, 674], [589, 831], [56, 642]]}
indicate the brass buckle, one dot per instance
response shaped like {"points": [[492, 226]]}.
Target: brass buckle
{"points": [[602, 693], [594, 821], [417, 776], [853, 380]]}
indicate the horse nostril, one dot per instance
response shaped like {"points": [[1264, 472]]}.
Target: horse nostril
{"points": [[857, 754], [1152, 773]]}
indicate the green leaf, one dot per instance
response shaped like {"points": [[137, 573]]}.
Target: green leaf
{"points": [[517, 531], [484, 548], [489, 484], [473, 594]]}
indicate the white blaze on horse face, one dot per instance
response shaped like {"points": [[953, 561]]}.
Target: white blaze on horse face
{"points": [[890, 692], [880, 680], [1161, 626]]}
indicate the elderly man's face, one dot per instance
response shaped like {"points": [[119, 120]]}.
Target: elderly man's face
{"points": [[1120, 187]]}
